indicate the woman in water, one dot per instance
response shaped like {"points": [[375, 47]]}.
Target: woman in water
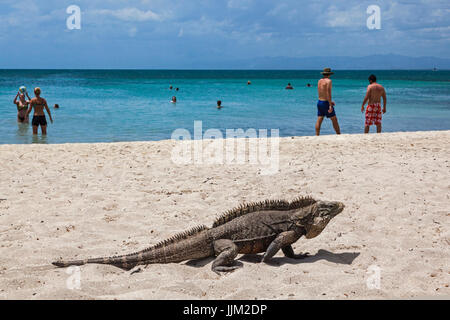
{"points": [[39, 119], [22, 106]]}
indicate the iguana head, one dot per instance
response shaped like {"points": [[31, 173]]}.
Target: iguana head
{"points": [[322, 213]]}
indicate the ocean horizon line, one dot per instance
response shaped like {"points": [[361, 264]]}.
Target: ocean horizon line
{"points": [[209, 69]]}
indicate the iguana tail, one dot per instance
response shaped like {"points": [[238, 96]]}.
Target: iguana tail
{"points": [[192, 244], [123, 262]]}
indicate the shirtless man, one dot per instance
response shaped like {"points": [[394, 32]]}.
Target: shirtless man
{"points": [[39, 116], [325, 106], [374, 94]]}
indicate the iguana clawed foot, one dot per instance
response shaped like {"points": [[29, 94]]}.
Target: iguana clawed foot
{"points": [[300, 256], [289, 252], [223, 269], [287, 249]]}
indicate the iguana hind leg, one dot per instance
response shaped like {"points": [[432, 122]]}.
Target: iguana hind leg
{"points": [[283, 240], [225, 251]]}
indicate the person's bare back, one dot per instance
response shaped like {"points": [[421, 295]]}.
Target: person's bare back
{"points": [[324, 89], [39, 104], [374, 92]]}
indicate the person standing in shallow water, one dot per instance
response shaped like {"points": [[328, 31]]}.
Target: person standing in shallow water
{"points": [[39, 103], [22, 107], [374, 94], [325, 105]]}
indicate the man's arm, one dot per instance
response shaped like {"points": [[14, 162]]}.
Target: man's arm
{"points": [[15, 99], [48, 111], [384, 100], [366, 98], [330, 100], [29, 99], [330, 86]]}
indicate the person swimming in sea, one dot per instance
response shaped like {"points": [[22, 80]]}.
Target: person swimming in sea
{"points": [[56, 106], [174, 99], [289, 87], [22, 106], [39, 104], [219, 104]]}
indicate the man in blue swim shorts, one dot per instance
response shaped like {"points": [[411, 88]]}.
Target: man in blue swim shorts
{"points": [[325, 106]]}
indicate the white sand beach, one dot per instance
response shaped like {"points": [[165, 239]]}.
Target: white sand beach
{"points": [[91, 200]]}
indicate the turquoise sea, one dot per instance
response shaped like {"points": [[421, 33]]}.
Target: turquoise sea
{"points": [[132, 105]]}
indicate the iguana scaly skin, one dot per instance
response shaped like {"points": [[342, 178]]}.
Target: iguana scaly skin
{"points": [[251, 228]]}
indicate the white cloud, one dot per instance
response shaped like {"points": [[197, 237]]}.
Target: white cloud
{"points": [[205, 26], [348, 17], [131, 14]]}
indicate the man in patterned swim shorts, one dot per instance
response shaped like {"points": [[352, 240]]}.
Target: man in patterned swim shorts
{"points": [[374, 113]]}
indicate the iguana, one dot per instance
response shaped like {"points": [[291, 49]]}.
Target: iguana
{"points": [[266, 226]]}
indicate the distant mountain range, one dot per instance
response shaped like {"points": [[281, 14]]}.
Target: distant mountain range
{"points": [[374, 62]]}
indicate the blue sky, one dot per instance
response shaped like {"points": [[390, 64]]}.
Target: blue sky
{"points": [[184, 34]]}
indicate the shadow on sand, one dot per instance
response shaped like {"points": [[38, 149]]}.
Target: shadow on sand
{"points": [[339, 258]]}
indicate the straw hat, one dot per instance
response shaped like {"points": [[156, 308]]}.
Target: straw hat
{"points": [[327, 72]]}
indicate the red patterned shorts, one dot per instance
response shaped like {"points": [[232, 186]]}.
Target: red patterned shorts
{"points": [[373, 114]]}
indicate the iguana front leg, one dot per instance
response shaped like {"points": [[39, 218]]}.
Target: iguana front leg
{"points": [[226, 251], [289, 252], [283, 240]]}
